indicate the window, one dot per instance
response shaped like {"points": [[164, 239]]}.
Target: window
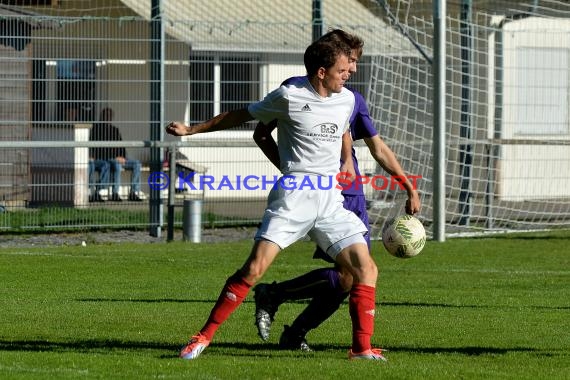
{"points": [[75, 90], [201, 89], [72, 83], [541, 87], [222, 83]]}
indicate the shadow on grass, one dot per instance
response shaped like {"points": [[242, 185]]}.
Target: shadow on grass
{"points": [[468, 351], [239, 349], [82, 345], [395, 304], [111, 345], [551, 235], [428, 304], [146, 300]]}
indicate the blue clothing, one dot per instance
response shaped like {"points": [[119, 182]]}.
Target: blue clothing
{"points": [[104, 131], [130, 164], [103, 167]]}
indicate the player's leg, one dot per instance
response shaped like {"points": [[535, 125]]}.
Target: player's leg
{"points": [[362, 303], [342, 231], [362, 326], [285, 206], [232, 295], [320, 280], [276, 232], [268, 297], [328, 301], [319, 310]]}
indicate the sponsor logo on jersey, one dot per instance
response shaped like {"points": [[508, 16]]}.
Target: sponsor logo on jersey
{"points": [[329, 128]]}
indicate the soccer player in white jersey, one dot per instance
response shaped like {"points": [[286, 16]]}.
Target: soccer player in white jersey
{"points": [[312, 123], [326, 287]]}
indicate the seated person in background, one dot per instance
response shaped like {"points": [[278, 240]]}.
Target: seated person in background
{"points": [[114, 156], [103, 167]]}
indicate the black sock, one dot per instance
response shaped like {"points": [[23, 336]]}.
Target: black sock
{"points": [[318, 311], [315, 283]]}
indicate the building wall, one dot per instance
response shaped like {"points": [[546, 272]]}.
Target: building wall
{"points": [[15, 93]]}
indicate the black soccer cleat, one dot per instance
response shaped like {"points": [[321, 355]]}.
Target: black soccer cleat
{"points": [[292, 340], [265, 310]]}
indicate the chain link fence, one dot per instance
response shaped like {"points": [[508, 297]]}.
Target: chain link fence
{"points": [[65, 63]]}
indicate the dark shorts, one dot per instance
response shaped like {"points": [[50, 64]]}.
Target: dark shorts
{"points": [[356, 204]]}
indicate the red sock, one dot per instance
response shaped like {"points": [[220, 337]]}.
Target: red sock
{"points": [[230, 298], [361, 306]]}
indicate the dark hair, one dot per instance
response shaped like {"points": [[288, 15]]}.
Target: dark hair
{"points": [[323, 54], [106, 114], [352, 40]]}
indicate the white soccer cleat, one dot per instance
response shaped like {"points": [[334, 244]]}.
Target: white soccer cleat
{"points": [[194, 348], [372, 354]]}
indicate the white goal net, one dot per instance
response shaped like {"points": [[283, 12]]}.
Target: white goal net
{"points": [[507, 134]]}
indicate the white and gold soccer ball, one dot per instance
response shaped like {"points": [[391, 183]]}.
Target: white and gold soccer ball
{"points": [[404, 236]]}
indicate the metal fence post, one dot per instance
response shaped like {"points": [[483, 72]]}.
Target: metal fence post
{"points": [[192, 220], [171, 192]]}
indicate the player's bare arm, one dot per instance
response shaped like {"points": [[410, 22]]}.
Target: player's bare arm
{"points": [[388, 161], [223, 121], [346, 157], [265, 141]]}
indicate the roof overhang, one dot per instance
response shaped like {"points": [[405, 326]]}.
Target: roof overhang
{"points": [[270, 26]]}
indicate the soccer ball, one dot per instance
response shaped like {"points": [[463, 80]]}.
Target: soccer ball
{"points": [[403, 236]]}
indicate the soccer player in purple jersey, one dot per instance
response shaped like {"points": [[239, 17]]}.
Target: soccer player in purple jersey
{"points": [[326, 288]]}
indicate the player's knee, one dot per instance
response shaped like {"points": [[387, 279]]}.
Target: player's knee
{"points": [[254, 269], [372, 269], [252, 273], [367, 271], [346, 280], [262, 255]]}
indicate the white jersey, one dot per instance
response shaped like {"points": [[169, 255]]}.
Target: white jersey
{"points": [[309, 126]]}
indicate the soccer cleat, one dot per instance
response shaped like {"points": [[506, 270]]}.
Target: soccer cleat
{"points": [[265, 310], [372, 354], [194, 347], [290, 340]]}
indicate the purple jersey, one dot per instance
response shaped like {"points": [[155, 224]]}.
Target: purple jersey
{"points": [[361, 126]]}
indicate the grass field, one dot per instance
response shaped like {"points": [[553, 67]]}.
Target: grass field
{"points": [[482, 308]]}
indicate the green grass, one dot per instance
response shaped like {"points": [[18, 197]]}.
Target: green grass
{"points": [[66, 219], [484, 308]]}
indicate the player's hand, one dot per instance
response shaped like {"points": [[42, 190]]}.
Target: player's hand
{"points": [[176, 128], [413, 204], [347, 171]]}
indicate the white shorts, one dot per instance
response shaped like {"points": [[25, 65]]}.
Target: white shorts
{"points": [[319, 213]]}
